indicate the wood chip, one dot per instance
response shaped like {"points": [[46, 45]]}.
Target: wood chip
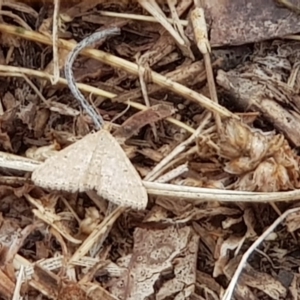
{"points": [[255, 21]]}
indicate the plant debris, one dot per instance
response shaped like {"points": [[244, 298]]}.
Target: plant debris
{"points": [[209, 136]]}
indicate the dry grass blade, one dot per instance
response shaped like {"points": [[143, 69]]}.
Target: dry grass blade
{"points": [[19, 163], [218, 166], [203, 194], [55, 41], [201, 36], [99, 231], [97, 36], [51, 219], [20, 280], [137, 17], [154, 173], [127, 66], [230, 289], [21, 72], [158, 14], [177, 172], [17, 19]]}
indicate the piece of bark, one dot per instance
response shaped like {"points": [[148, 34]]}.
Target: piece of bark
{"points": [[237, 22], [158, 254], [7, 287], [149, 116], [250, 96], [46, 282]]}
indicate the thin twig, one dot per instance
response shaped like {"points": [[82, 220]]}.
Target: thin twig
{"points": [[130, 67], [137, 17], [19, 282], [97, 233], [174, 173], [289, 5], [142, 75], [230, 289], [152, 8], [55, 42], [19, 72], [196, 194], [201, 37], [151, 176]]}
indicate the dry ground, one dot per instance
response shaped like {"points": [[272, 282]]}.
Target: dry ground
{"points": [[220, 162]]}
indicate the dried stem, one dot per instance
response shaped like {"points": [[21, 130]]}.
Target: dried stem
{"points": [[20, 72], [55, 42], [127, 66], [279, 220], [196, 194]]}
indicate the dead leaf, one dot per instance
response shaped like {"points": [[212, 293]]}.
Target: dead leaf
{"points": [[149, 116]]}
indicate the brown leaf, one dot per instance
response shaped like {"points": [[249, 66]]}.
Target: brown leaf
{"points": [[40, 121], [9, 101], [149, 116], [27, 114]]}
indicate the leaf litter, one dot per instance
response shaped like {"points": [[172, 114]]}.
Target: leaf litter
{"points": [[221, 174]]}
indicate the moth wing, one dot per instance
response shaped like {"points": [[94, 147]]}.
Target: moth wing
{"points": [[114, 177], [65, 170]]}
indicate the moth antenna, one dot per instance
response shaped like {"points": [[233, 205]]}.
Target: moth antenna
{"points": [[95, 37]]}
